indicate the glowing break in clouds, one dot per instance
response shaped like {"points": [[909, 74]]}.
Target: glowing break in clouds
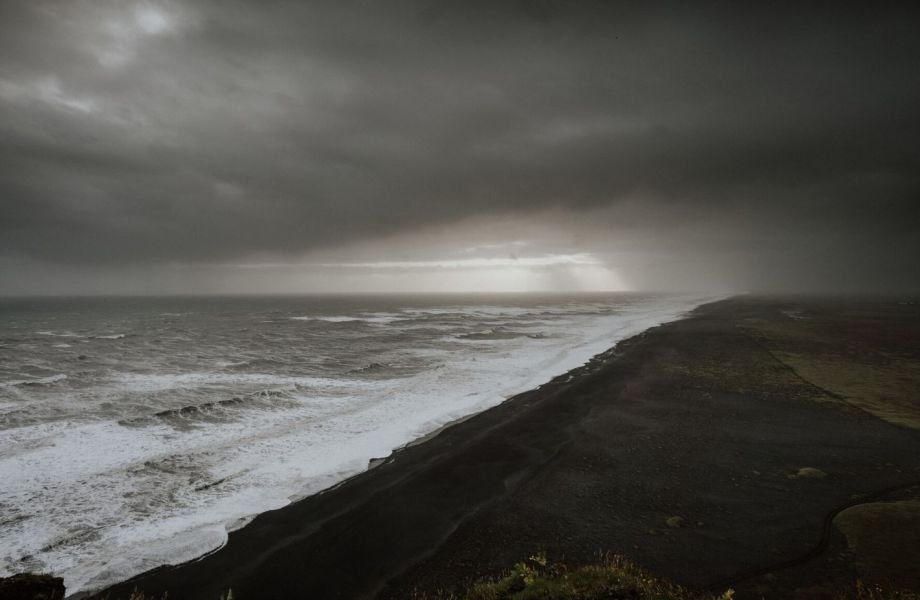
{"points": [[551, 260], [545, 273]]}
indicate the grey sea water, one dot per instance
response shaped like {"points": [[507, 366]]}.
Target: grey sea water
{"points": [[136, 432]]}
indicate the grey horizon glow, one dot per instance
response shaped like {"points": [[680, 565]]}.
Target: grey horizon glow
{"points": [[193, 146]]}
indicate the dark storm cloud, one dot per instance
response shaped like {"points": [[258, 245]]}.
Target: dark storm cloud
{"points": [[780, 146]]}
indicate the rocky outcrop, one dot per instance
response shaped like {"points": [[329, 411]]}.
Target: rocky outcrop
{"points": [[31, 587]]}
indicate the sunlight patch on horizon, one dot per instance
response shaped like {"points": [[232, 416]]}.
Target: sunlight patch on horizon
{"points": [[548, 260], [546, 273]]}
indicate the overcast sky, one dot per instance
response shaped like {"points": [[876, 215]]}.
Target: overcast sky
{"points": [[169, 146]]}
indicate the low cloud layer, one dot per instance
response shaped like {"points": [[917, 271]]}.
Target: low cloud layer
{"points": [[719, 147]]}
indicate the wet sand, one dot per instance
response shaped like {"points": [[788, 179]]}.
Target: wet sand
{"points": [[706, 419]]}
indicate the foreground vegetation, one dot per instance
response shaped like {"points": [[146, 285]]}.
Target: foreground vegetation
{"points": [[613, 578]]}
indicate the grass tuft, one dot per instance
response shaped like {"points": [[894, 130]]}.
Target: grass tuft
{"points": [[614, 578]]}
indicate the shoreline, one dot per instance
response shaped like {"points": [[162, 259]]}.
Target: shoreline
{"points": [[532, 473], [436, 398], [376, 462]]}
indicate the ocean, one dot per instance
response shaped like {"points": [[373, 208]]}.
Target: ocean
{"points": [[136, 432]]}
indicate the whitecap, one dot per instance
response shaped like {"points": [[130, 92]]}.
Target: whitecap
{"points": [[377, 318], [55, 334], [331, 319], [37, 381], [157, 382]]}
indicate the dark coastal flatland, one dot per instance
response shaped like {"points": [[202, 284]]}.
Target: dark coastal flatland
{"points": [[754, 420]]}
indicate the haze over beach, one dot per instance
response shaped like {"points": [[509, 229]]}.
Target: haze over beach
{"points": [[524, 299]]}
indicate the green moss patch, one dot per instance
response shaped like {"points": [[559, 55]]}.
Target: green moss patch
{"points": [[870, 364], [885, 540], [887, 390]]}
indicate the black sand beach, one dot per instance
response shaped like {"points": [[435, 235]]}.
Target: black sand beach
{"points": [[731, 419]]}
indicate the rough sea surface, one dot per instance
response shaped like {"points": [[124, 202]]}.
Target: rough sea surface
{"points": [[136, 432]]}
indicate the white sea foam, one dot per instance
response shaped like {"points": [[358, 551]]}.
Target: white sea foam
{"points": [[96, 501], [328, 319], [35, 381], [366, 318], [157, 382], [55, 334]]}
